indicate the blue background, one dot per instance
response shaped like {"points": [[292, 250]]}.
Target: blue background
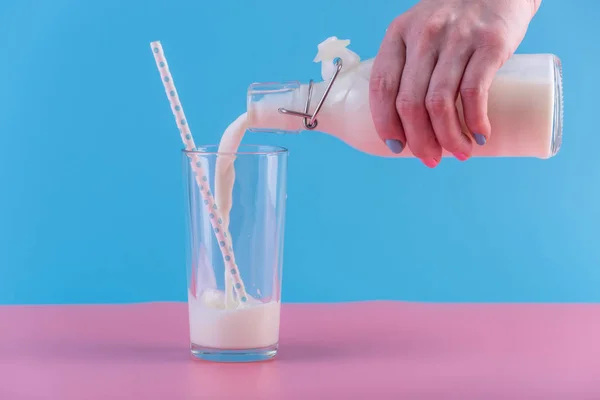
{"points": [[91, 201]]}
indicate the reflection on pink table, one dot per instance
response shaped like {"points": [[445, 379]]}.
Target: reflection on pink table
{"points": [[377, 350]]}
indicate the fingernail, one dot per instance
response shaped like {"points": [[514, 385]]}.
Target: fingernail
{"points": [[431, 163], [394, 145], [479, 138], [461, 156]]}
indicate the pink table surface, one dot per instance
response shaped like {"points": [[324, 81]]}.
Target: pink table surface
{"points": [[371, 350]]}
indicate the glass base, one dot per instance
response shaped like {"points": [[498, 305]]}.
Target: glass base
{"points": [[243, 355]]}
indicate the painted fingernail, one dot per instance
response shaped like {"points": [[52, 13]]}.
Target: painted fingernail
{"points": [[394, 145], [461, 156], [431, 162], [479, 138]]}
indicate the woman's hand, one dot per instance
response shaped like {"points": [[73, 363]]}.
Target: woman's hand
{"points": [[432, 53]]}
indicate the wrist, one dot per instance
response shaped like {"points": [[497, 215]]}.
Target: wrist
{"points": [[535, 5]]}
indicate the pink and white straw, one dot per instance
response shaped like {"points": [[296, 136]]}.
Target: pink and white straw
{"points": [[212, 211]]}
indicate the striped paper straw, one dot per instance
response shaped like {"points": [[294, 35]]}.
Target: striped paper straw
{"points": [[215, 218]]}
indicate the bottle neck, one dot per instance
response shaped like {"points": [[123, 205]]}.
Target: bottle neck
{"points": [[265, 100], [267, 103]]}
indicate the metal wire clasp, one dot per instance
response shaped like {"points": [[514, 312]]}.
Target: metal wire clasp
{"points": [[310, 121]]}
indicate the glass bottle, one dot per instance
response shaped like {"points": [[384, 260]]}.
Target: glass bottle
{"points": [[525, 105]]}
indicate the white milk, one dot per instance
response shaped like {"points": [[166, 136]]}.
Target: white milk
{"points": [[217, 319], [248, 326], [225, 172], [225, 179], [525, 106]]}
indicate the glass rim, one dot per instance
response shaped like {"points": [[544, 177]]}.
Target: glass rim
{"points": [[259, 149]]}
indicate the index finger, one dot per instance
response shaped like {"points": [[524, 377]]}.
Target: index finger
{"points": [[383, 89]]}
